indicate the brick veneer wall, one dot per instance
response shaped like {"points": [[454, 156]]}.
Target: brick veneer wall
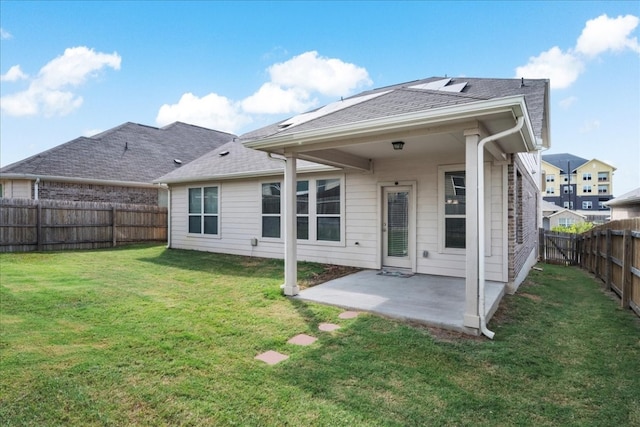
{"points": [[97, 193], [522, 216]]}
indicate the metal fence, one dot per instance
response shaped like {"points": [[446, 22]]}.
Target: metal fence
{"points": [[44, 225]]}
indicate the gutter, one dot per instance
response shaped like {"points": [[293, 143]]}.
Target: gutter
{"points": [[78, 180], [481, 231]]}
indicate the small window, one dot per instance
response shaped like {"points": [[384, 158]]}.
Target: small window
{"points": [[551, 190], [203, 210], [271, 210], [567, 189], [587, 204], [603, 176], [567, 205], [586, 189], [328, 210], [603, 189], [586, 176], [302, 210], [566, 222], [455, 210], [551, 178]]}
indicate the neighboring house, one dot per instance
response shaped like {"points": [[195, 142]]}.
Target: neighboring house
{"points": [[117, 165], [437, 176], [625, 206], [578, 184], [554, 215]]}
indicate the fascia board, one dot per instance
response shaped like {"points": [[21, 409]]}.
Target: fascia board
{"points": [[514, 104]]}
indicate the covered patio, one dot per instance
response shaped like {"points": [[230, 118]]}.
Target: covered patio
{"points": [[432, 300]]}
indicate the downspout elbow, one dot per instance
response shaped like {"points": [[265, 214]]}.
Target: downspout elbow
{"points": [[481, 231]]}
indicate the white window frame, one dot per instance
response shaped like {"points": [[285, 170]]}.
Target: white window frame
{"points": [[203, 214], [312, 215], [587, 204], [603, 176], [280, 214], [586, 176], [586, 188], [551, 178], [551, 190], [566, 222]]}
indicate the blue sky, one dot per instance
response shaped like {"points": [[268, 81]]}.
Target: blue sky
{"points": [[76, 68]]}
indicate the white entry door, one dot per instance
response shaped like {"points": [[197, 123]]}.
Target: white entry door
{"points": [[396, 227]]}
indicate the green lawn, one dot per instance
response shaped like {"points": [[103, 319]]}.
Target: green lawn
{"points": [[148, 336]]}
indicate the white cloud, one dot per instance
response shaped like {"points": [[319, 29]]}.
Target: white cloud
{"points": [[293, 88], [91, 132], [589, 126], [568, 102], [604, 34], [5, 35], [599, 35], [49, 92], [211, 111], [273, 99], [562, 68], [327, 76], [14, 74]]}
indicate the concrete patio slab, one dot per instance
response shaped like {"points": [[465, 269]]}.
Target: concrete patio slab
{"points": [[433, 300]]}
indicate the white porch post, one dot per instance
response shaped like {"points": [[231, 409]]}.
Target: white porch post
{"points": [[471, 314], [290, 238]]}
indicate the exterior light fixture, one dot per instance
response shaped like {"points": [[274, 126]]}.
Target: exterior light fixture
{"points": [[397, 145]]}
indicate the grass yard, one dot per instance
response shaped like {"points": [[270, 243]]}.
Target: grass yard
{"points": [[147, 336]]}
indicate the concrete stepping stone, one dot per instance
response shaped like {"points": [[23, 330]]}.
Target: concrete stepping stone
{"points": [[348, 314], [272, 357], [328, 327], [302, 339]]}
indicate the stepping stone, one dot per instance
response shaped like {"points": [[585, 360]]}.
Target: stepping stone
{"points": [[302, 339], [328, 327], [272, 357], [348, 314]]}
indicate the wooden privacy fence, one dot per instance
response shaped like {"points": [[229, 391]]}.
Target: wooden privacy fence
{"points": [[44, 225], [612, 253], [558, 248]]}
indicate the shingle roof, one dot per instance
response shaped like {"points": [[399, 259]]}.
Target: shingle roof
{"points": [[130, 152], [406, 98], [233, 160], [630, 198], [561, 161]]}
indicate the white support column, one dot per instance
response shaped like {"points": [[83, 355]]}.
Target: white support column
{"points": [[290, 238], [471, 314]]}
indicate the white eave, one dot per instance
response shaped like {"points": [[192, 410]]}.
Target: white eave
{"points": [[514, 105]]}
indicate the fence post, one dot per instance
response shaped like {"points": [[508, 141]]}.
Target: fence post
{"points": [[541, 254], [113, 225], [39, 242], [627, 246], [608, 268]]}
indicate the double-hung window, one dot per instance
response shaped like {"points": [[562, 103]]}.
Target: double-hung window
{"points": [[455, 209], [271, 223], [318, 210], [203, 210]]}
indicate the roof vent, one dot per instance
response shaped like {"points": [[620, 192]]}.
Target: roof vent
{"points": [[177, 161], [441, 85], [224, 153]]}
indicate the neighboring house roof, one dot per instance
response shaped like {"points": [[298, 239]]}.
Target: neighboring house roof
{"points": [[550, 207], [234, 160], [563, 159], [630, 198], [130, 153], [569, 213], [415, 96]]}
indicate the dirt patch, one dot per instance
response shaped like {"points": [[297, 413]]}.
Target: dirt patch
{"points": [[329, 273], [532, 297], [445, 335]]}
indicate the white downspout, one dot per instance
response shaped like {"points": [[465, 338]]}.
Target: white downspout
{"points": [[481, 231], [168, 217]]}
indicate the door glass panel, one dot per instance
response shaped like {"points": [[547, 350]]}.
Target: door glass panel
{"points": [[398, 224]]}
